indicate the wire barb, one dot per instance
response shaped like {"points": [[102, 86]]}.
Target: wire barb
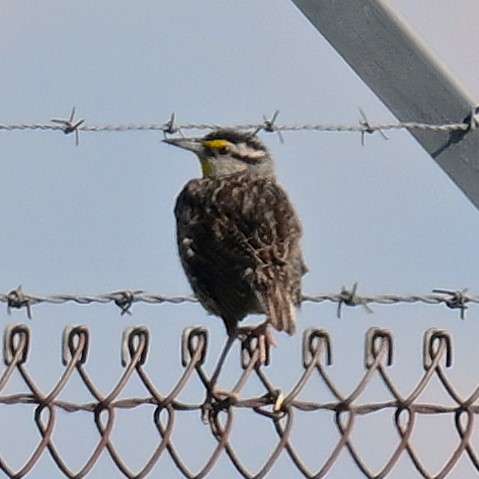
{"points": [[125, 300], [17, 299], [368, 128], [71, 125], [455, 299], [171, 127], [269, 125], [350, 298], [473, 119]]}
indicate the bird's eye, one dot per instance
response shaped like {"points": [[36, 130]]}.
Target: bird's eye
{"points": [[224, 150]]}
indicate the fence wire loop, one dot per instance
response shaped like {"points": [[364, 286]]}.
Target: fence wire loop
{"points": [[135, 339], [455, 299], [464, 430], [17, 299], [255, 350], [194, 339], [73, 339], [16, 344], [46, 427], [315, 341], [404, 420], [378, 341], [437, 344]]}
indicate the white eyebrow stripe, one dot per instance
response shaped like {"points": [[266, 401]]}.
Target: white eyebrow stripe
{"points": [[244, 151]]}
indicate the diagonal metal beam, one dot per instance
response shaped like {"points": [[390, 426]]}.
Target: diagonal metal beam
{"points": [[395, 63]]}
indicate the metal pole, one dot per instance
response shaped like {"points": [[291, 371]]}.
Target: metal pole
{"points": [[395, 63]]}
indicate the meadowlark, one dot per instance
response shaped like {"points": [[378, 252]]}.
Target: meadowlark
{"points": [[238, 234]]}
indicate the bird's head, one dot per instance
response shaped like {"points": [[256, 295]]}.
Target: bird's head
{"points": [[227, 151]]}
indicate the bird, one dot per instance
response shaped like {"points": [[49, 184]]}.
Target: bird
{"points": [[238, 235]]}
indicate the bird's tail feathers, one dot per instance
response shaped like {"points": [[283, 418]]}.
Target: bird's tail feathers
{"points": [[280, 310]]}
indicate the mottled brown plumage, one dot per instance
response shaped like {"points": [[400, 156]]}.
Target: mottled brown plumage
{"points": [[238, 234], [238, 239]]}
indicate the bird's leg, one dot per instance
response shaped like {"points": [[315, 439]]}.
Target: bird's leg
{"points": [[214, 378], [219, 366], [262, 332]]}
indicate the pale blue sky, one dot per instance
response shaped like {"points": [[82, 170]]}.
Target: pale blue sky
{"points": [[98, 217]]}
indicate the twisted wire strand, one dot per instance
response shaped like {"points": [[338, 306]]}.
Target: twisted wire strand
{"points": [[124, 299], [251, 403], [362, 127]]}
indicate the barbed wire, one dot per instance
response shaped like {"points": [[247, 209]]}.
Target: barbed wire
{"points": [[124, 299], [170, 127], [278, 408]]}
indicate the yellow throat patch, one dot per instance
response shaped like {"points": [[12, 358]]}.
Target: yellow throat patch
{"points": [[206, 167]]}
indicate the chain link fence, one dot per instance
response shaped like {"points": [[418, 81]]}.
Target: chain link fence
{"points": [[276, 408]]}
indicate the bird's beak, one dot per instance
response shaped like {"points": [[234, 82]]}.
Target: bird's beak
{"points": [[192, 144]]}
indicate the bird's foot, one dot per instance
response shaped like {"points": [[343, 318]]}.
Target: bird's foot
{"points": [[216, 400], [259, 337]]}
